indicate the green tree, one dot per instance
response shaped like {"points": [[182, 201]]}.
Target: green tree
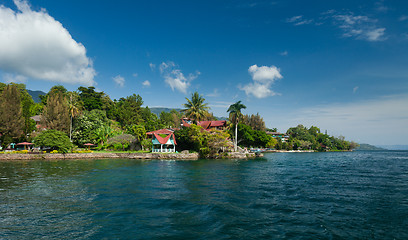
{"points": [[138, 131], [54, 89], [75, 108], [196, 109], [56, 112], [150, 120], [129, 110], [56, 140], [86, 125], [104, 132], [11, 117], [90, 98], [256, 122], [235, 114]]}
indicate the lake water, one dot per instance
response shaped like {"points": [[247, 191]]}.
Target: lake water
{"points": [[351, 195]]}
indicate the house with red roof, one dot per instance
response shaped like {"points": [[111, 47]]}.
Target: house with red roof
{"points": [[207, 125], [163, 140]]}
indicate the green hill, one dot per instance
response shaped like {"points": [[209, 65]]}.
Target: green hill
{"points": [[368, 147], [36, 95], [158, 110]]}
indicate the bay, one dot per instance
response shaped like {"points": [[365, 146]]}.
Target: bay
{"points": [[339, 195]]}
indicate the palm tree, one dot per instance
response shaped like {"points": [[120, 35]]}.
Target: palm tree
{"points": [[235, 114], [75, 108], [196, 109]]}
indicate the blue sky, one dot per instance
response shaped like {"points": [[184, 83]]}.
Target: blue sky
{"points": [[338, 65]]}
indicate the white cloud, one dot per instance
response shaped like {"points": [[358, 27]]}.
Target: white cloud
{"points": [[175, 78], [152, 66], [263, 78], [220, 104], [215, 93], [355, 89], [11, 78], [119, 80], [379, 121], [403, 18], [146, 83], [299, 20], [35, 45], [284, 53], [380, 6], [135, 74], [359, 27]]}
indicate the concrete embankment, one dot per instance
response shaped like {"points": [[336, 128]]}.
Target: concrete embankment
{"points": [[96, 155]]}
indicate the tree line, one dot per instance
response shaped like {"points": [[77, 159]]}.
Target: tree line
{"points": [[88, 116]]}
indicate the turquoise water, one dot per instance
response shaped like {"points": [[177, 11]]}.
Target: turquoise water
{"points": [[352, 195]]}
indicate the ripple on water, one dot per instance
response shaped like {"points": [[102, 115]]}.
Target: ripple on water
{"points": [[358, 195]]}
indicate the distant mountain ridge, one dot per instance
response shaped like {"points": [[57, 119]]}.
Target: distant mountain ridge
{"points": [[394, 147], [368, 147], [36, 95], [158, 110]]}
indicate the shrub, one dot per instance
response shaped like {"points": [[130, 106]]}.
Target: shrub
{"points": [[123, 142], [55, 140]]}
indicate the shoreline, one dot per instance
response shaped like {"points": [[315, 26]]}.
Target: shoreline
{"points": [[96, 155]]}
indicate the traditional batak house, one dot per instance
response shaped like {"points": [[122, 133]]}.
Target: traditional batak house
{"points": [[163, 140], [206, 125]]}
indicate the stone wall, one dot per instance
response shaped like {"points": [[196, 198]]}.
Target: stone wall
{"points": [[96, 155], [60, 156]]}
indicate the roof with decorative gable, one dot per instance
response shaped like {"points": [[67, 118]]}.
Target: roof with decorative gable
{"points": [[165, 140]]}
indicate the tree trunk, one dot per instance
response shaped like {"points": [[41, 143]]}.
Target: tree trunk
{"points": [[70, 130], [236, 137]]}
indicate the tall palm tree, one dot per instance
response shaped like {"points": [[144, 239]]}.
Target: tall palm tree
{"points": [[235, 114], [75, 108], [196, 109]]}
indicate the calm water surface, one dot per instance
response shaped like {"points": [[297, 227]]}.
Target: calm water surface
{"points": [[354, 195]]}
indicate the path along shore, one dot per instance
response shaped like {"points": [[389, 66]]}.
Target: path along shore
{"points": [[96, 155]]}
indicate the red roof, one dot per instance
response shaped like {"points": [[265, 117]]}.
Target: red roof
{"points": [[24, 143], [160, 131], [185, 124], [218, 123], [207, 124], [163, 140]]}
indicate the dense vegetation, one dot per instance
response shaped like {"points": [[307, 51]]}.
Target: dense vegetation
{"points": [[88, 116]]}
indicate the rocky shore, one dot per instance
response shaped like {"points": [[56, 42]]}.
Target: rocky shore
{"points": [[96, 155]]}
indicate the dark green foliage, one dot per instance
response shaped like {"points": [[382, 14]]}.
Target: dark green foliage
{"points": [[252, 138], [170, 119], [90, 98], [54, 89], [11, 117], [28, 107], [301, 138], [128, 110], [184, 141], [123, 142], [56, 112], [150, 120], [55, 140], [256, 122]]}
